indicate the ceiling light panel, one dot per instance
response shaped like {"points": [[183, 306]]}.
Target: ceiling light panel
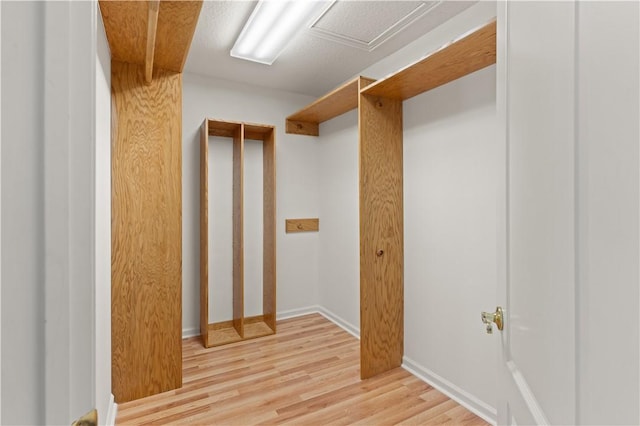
{"points": [[272, 25]]}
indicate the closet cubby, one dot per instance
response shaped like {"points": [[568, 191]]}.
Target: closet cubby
{"points": [[239, 327]]}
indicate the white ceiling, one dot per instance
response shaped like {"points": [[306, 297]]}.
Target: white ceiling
{"points": [[347, 38]]}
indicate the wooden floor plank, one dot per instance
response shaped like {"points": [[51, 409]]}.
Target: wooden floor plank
{"points": [[306, 374]]}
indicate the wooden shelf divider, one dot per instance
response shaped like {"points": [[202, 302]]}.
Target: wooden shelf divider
{"points": [[335, 103], [239, 327], [469, 53]]}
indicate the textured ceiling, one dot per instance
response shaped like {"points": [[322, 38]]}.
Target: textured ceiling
{"points": [[349, 37]]}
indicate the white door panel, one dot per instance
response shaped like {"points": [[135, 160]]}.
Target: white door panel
{"points": [[536, 101]]}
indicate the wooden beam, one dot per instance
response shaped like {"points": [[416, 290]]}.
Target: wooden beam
{"points": [[333, 104], [176, 25], [127, 25], [381, 235], [469, 53], [146, 232], [152, 26]]}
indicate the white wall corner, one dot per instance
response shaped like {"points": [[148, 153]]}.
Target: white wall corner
{"points": [[462, 397], [110, 420], [340, 322], [317, 309]]}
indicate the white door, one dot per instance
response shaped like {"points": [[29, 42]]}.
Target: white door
{"points": [[536, 106]]}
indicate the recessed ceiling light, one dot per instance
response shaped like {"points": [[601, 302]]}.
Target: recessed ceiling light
{"points": [[272, 25]]}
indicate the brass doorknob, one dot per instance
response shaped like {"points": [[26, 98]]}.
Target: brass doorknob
{"points": [[490, 318]]}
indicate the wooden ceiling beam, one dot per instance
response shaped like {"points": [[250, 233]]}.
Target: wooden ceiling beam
{"points": [[153, 33], [152, 27]]}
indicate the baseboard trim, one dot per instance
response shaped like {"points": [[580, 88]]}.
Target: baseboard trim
{"points": [[190, 332], [317, 309], [292, 313], [113, 411], [340, 322], [462, 397]]}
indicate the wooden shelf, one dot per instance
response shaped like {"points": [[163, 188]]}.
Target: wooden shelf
{"points": [[469, 53], [256, 329], [222, 334], [241, 327], [337, 102]]}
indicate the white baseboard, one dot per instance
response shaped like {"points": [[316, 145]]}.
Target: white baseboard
{"points": [[190, 332], [292, 313], [340, 322], [462, 397], [317, 309], [111, 414]]}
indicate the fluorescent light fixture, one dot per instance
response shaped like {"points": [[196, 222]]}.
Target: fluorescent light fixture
{"points": [[272, 25]]}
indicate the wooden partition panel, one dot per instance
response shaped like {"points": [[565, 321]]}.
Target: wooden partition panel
{"points": [[146, 208], [381, 235], [238, 230], [269, 230], [204, 238]]}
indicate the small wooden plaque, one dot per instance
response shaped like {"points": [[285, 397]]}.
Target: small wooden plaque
{"points": [[302, 225]]}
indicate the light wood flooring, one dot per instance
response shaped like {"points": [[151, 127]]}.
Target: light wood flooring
{"points": [[306, 374]]}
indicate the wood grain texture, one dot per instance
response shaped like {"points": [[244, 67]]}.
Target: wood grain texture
{"points": [[152, 26], [222, 333], [125, 24], [204, 232], [176, 26], [269, 229], [333, 104], [381, 235], [307, 374], [470, 53], [302, 225], [238, 231], [146, 215]]}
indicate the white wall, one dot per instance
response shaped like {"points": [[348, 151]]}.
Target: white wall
{"points": [[22, 214], [450, 180], [608, 134], [339, 285], [297, 187], [48, 259], [451, 167], [102, 227]]}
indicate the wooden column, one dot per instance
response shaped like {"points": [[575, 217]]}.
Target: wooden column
{"points": [[146, 209], [381, 235], [238, 230], [269, 229], [204, 237]]}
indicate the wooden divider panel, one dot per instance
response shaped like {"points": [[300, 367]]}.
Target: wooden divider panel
{"points": [[238, 230], [269, 230], [146, 209], [381, 235], [204, 239]]}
